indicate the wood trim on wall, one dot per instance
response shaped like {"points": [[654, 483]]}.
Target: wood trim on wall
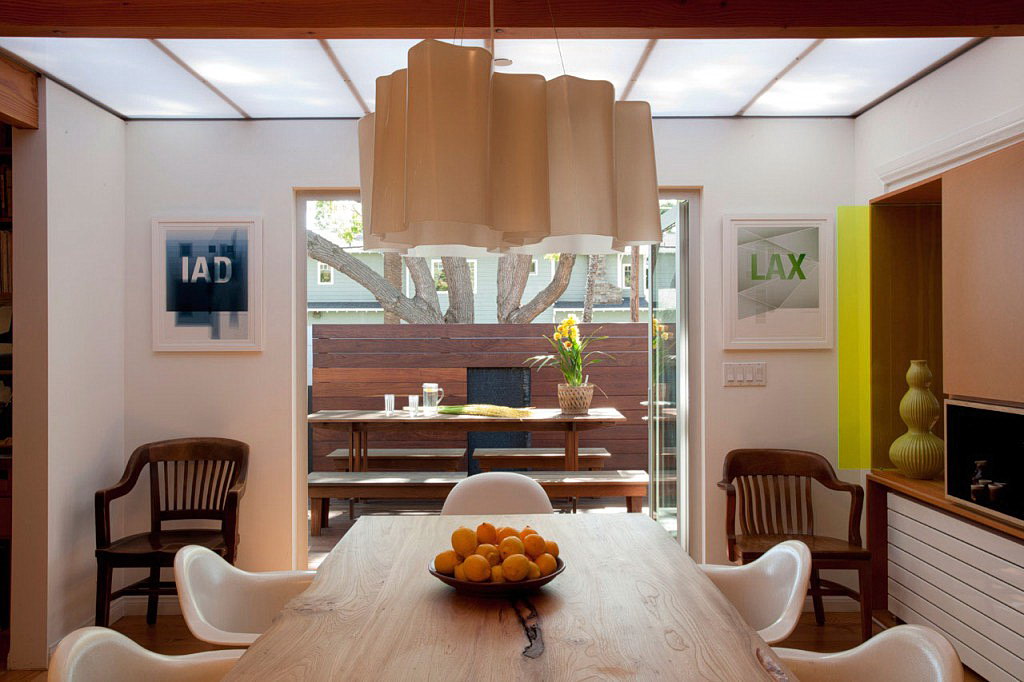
{"points": [[521, 19], [19, 95]]}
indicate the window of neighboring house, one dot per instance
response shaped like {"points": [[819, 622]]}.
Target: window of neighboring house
{"points": [[325, 274], [626, 274], [533, 267], [440, 282]]}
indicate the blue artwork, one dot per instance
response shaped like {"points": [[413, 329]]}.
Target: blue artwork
{"points": [[206, 284]]}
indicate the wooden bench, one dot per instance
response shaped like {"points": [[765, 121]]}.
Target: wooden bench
{"points": [[435, 485], [406, 459], [489, 459]]}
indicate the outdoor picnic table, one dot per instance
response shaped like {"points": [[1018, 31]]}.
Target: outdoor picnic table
{"points": [[359, 423]]}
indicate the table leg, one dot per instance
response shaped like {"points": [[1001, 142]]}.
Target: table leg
{"points": [[316, 511], [352, 450], [364, 454], [634, 505], [572, 449]]}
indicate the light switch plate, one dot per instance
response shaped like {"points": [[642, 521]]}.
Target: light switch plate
{"points": [[744, 374]]}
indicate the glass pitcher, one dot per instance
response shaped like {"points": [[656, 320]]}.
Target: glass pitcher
{"points": [[432, 397]]}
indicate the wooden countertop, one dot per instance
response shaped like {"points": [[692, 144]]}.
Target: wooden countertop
{"points": [[934, 493]]}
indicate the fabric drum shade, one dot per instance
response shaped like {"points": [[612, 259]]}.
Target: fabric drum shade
{"points": [[458, 160]]}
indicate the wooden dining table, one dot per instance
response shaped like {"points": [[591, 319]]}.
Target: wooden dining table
{"points": [[359, 423], [631, 604]]}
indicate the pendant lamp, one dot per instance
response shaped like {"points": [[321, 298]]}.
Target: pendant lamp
{"points": [[458, 160]]}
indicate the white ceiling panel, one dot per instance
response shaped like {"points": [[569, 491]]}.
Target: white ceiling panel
{"points": [[711, 77], [271, 78], [843, 75], [609, 60], [365, 60], [133, 77]]}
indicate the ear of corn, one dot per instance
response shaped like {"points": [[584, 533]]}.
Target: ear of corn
{"points": [[487, 410]]}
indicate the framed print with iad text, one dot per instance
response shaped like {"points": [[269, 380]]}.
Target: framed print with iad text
{"points": [[778, 274], [207, 285]]}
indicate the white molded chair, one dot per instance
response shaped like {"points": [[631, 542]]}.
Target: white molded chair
{"points": [[100, 655], [497, 492], [228, 606], [769, 593], [907, 653]]}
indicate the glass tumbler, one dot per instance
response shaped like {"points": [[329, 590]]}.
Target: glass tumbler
{"points": [[414, 405], [389, 403]]}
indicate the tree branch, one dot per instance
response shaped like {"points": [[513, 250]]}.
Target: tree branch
{"points": [[547, 296], [416, 310]]}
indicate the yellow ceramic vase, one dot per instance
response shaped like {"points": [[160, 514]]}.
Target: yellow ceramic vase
{"points": [[918, 453]]}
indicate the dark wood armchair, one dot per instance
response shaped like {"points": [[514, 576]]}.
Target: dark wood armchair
{"points": [[189, 479], [769, 491]]}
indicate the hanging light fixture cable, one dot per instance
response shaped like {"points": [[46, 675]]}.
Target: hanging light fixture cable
{"points": [[554, 30]]}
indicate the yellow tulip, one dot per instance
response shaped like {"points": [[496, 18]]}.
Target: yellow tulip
{"points": [[558, 335]]}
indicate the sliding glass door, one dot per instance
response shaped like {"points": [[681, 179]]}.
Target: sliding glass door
{"points": [[668, 369]]}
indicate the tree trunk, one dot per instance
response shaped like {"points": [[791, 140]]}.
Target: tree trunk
{"points": [[393, 275], [423, 308], [634, 284], [460, 290], [593, 269], [515, 270]]}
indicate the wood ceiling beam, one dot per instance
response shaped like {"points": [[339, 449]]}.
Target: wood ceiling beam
{"points": [[19, 95], [513, 18]]}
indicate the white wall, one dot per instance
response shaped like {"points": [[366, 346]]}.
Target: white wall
{"points": [[83, 346], [204, 169], [975, 94], [759, 166]]}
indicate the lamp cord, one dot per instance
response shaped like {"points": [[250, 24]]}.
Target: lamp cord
{"points": [[554, 30]]}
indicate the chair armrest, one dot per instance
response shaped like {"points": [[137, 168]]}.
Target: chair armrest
{"points": [[104, 497], [856, 506], [231, 505], [727, 486]]}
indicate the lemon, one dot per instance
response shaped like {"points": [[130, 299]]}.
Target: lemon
{"points": [[535, 545], [515, 567], [526, 531], [534, 571], [476, 568], [489, 552], [546, 563], [511, 545], [486, 534], [496, 575], [459, 572], [445, 562], [505, 531], [464, 541], [552, 548]]}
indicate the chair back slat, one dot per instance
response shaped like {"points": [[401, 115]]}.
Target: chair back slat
{"points": [[190, 478], [774, 505]]}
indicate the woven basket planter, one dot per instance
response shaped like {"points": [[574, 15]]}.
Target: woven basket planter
{"points": [[575, 399]]}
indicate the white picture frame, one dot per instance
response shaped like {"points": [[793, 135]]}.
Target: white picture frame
{"points": [[771, 298], [211, 307]]}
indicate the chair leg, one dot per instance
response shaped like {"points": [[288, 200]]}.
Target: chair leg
{"points": [[154, 595], [104, 575], [864, 576], [325, 513], [819, 606], [316, 512]]}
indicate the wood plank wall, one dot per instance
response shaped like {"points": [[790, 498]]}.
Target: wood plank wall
{"points": [[355, 365]]}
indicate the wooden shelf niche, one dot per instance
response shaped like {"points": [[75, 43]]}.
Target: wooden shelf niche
{"points": [[906, 304]]}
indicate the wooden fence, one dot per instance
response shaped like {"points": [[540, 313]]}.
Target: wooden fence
{"points": [[355, 365]]}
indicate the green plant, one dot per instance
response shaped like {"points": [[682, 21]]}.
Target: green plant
{"points": [[570, 356]]}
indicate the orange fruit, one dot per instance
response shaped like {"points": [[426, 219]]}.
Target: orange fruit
{"points": [[511, 545], [535, 545], [464, 541], [477, 568], [546, 563], [526, 531], [515, 567], [459, 572], [496, 574], [489, 552], [505, 531], [486, 534], [552, 548], [445, 562], [534, 571]]}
